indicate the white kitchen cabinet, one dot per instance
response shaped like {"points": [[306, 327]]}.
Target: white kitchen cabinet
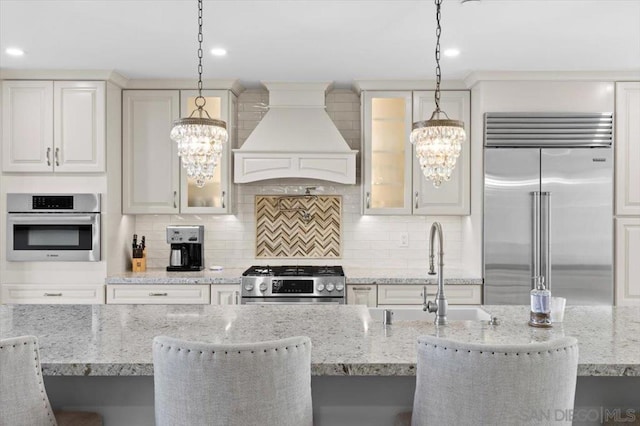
{"points": [[627, 267], [158, 294], [627, 148], [53, 126], [154, 181], [225, 294], [393, 183], [362, 294], [54, 294], [150, 168], [411, 294]]}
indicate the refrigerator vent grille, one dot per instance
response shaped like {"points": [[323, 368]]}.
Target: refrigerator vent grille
{"points": [[559, 130]]}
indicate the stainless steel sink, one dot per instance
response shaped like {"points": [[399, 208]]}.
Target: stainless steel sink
{"points": [[454, 313]]}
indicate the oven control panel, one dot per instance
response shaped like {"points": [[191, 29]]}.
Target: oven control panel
{"points": [[293, 287]]}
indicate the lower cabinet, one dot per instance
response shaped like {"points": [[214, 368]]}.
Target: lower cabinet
{"points": [[365, 294], [225, 294], [158, 294], [627, 267], [52, 294]]}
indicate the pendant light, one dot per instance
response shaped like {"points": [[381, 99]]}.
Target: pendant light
{"points": [[438, 140], [200, 138]]}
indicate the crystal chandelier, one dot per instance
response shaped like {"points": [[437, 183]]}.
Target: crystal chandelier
{"points": [[200, 139], [438, 140]]}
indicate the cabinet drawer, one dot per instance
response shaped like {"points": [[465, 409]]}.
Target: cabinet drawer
{"points": [[158, 294], [52, 294], [412, 294]]}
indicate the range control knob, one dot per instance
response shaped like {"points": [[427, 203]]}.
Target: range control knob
{"points": [[263, 286], [320, 287], [248, 286], [330, 287], [339, 287]]}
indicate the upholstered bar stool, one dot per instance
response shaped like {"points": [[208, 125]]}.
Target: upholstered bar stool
{"points": [[23, 398], [265, 383], [464, 383]]}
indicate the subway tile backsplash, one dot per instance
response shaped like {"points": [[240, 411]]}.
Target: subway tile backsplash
{"points": [[367, 241]]}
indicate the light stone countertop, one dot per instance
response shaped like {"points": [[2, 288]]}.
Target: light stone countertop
{"points": [[233, 276], [115, 340]]}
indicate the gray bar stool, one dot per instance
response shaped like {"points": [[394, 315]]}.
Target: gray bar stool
{"points": [[265, 383], [466, 383], [23, 397]]}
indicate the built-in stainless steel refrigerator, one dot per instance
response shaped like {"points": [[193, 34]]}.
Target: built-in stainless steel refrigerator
{"points": [[548, 206]]}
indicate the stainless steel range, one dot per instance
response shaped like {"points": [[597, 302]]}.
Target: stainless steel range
{"points": [[292, 285]]}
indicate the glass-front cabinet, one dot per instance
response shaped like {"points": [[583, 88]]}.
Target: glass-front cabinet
{"points": [[387, 152], [393, 183], [215, 196]]}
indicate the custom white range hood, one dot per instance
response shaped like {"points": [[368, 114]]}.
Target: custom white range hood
{"points": [[295, 139]]}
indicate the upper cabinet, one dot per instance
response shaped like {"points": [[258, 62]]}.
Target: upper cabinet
{"points": [[393, 182], [627, 149], [154, 181], [53, 126]]}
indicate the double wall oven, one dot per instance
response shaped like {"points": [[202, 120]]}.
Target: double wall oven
{"points": [[271, 285], [53, 227]]}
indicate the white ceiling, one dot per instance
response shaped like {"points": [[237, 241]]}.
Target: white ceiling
{"points": [[320, 40]]}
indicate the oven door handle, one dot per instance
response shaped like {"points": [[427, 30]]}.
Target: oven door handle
{"points": [[52, 218], [292, 303]]}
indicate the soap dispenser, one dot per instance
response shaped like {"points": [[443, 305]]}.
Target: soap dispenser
{"points": [[540, 304]]}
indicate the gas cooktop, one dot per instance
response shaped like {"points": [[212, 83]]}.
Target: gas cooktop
{"points": [[294, 271]]}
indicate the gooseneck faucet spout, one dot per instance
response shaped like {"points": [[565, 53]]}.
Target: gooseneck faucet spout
{"points": [[441, 300]]}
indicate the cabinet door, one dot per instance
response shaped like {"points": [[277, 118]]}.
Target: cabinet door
{"points": [[627, 148], [225, 294], [169, 294], [627, 267], [387, 153], [452, 197], [404, 294], [79, 126], [27, 126], [214, 197], [150, 163], [362, 295]]}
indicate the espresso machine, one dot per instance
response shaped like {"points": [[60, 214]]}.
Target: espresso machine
{"points": [[187, 247]]}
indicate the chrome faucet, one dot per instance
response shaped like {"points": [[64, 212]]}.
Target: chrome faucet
{"points": [[440, 305]]}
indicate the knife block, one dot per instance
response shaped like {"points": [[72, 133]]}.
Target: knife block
{"points": [[139, 264]]}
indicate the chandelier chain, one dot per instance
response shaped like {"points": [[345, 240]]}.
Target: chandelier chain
{"points": [[200, 97], [438, 71]]}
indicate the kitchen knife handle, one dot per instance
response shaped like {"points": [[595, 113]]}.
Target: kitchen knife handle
{"points": [[48, 156], [57, 156], [175, 204], [222, 199], [368, 198]]}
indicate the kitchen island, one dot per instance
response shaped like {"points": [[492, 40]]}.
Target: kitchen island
{"points": [[106, 349]]}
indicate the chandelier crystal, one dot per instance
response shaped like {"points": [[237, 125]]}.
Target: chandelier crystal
{"points": [[199, 137], [438, 141]]}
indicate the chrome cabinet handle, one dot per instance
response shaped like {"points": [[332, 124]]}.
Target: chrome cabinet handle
{"points": [[48, 156], [53, 294], [223, 197], [368, 198], [57, 156], [175, 194], [416, 199], [237, 296], [361, 288], [158, 294]]}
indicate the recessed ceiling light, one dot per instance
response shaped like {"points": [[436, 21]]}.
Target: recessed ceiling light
{"points": [[218, 51], [451, 53], [14, 51]]}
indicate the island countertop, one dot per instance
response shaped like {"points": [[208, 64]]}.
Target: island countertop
{"points": [[115, 340]]}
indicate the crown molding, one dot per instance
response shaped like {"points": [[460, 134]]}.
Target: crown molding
{"points": [[207, 84], [478, 76], [32, 74], [366, 85]]}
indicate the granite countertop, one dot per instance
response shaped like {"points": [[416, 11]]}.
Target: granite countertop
{"points": [[233, 276], [115, 340]]}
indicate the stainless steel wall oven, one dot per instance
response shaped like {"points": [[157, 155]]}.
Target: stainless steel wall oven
{"points": [[53, 227]]}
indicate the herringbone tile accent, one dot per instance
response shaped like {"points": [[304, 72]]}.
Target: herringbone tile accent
{"points": [[287, 234]]}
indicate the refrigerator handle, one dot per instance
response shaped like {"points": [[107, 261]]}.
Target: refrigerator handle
{"points": [[535, 237], [545, 237]]}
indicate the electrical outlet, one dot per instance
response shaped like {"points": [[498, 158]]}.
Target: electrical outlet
{"points": [[404, 239]]}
